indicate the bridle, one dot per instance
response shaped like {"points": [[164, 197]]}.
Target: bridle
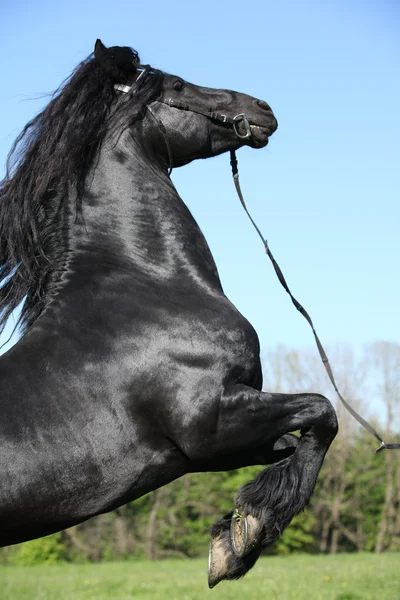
{"points": [[220, 118], [214, 116], [234, 121], [210, 114]]}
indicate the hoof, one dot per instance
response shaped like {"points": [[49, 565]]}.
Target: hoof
{"points": [[217, 562], [246, 532], [223, 563]]}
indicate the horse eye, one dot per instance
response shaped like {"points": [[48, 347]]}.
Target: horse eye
{"points": [[178, 85]]}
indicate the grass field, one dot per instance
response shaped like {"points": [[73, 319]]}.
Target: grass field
{"points": [[340, 577]]}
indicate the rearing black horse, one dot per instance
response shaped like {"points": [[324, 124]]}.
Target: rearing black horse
{"points": [[134, 367]]}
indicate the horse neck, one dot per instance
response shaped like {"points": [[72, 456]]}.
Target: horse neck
{"points": [[134, 222]]}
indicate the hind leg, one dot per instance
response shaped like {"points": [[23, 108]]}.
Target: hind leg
{"points": [[247, 420]]}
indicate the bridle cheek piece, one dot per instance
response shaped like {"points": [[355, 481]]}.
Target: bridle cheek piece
{"points": [[214, 116], [210, 114]]}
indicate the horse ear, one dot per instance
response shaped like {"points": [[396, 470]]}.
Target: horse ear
{"points": [[99, 48]]}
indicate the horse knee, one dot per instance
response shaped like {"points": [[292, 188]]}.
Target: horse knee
{"points": [[324, 414]]}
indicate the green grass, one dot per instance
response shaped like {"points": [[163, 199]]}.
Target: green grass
{"points": [[340, 577]]}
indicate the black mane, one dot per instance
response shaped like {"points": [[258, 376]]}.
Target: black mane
{"points": [[49, 162]]}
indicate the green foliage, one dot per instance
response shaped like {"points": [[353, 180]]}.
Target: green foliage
{"points": [[298, 537], [49, 550], [366, 472]]}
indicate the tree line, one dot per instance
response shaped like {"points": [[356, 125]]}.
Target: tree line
{"points": [[355, 506]]}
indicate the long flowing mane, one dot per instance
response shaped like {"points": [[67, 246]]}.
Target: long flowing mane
{"points": [[48, 163]]}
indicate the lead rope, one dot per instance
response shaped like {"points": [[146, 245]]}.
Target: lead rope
{"points": [[322, 353]]}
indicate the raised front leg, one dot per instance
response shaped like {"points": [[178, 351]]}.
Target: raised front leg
{"points": [[248, 421], [266, 454]]}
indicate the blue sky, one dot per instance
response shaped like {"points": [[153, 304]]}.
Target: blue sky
{"points": [[325, 192]]}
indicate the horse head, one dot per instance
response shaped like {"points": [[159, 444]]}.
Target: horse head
{"points": [[199, 122]]}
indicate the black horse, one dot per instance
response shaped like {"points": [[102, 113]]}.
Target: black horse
{"points": [[134, 367]]}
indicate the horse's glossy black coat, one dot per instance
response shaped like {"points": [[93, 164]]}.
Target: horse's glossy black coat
{"points": [[138, 369]]}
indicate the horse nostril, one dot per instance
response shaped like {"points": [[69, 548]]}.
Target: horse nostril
{"points": [[263, 105]]}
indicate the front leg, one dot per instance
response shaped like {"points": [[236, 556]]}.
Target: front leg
{"points": [[267, 454], [247, 421]]}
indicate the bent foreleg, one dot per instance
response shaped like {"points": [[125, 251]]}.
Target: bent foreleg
{"points": [[265, 506]]}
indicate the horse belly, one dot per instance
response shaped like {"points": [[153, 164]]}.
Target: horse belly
{"points": [[40, 497]]}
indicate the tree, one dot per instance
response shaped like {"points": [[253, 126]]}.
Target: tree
{"points": [[385, 364]]}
